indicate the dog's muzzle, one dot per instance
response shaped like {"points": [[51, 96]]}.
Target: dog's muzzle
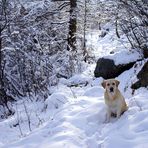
{"points": [[111, 89]]}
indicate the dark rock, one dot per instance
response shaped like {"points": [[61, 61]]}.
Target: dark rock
{"points": [[112, 52], [143, 77], [145, 52], [107, 69]]}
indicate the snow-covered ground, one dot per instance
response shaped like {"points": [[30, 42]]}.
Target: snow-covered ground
{"points": [[74, 116], [80, 121]]}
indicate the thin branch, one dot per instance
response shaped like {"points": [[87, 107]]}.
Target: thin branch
{"points": [[18, 121], [28, 116]]}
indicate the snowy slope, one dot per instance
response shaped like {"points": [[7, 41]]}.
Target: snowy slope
{"points": [[111, 47], [74, 116]]}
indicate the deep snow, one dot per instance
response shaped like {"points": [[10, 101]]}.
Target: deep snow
{"points": [[80, 121], [74, 116]]}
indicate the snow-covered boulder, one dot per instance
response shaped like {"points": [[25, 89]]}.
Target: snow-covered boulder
{"points": [[56, 100], [113, 65], [107, 69]]}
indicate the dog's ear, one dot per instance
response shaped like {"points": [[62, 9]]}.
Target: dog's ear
{"points": [[117, 83], [103, 83]]}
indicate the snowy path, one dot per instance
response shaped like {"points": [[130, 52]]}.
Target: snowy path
{"points": [[77, 124], [80, 123]]}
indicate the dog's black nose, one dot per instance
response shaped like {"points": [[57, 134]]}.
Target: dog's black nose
{"points": [[111, 89]]}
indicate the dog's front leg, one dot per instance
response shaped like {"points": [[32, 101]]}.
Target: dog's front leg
{"points": [[108, 115], [118, 112]]}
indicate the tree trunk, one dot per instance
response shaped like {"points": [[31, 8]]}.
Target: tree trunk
{"points": [[72, 26], [116, 24], [4, 98], [85, 54]]}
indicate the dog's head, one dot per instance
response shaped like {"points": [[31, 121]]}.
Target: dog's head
{"points": [[110, 85]]}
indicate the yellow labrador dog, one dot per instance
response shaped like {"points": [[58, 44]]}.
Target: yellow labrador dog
{"points": [[114, 100]]}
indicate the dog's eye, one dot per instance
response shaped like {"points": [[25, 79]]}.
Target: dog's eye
{"points": [[108, 84], [113, 83]]}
